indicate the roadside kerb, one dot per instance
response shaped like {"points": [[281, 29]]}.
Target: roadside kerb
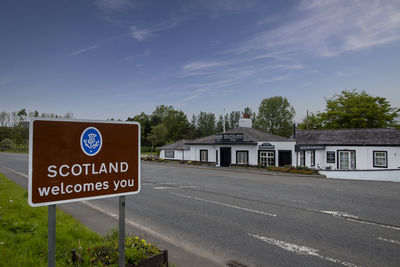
{"points": [[236, 169]]}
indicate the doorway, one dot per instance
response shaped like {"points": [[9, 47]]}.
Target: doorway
{"points": [[284, 158], [225, 156]]}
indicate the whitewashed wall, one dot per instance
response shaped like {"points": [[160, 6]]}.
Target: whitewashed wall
{"points": [[252, 149], [364, 157], [371, 175], [177, 155]]}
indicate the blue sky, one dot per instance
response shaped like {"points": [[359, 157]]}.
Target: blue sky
{"points": [[105, 59]]}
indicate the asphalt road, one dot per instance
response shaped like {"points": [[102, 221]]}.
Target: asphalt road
{"points": [[211, 216]]}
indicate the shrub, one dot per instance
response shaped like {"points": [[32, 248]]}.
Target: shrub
{"points": [[6, 144]]}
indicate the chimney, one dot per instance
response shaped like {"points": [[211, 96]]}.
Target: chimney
{"points": [[245, 122]]}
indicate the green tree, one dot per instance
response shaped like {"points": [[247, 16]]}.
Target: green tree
{"points": [[234, 118], [22, 115], [6, 145], [205, 124], [177, 124], [311, 121], [353, 109], [158, 135], [145, 127], [275, 116]]}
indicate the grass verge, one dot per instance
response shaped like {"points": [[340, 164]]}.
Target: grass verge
{"points": [[23, 236]]}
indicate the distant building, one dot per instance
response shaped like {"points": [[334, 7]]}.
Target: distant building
{"points": [[349, 149], [240, 146], [176, 151]]}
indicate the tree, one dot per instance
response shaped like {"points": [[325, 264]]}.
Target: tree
{"points": [[6, 145], [205, 124], [352, 109], [311, 121], [234, 118], [145, 127], [22, 115], [275, 116], [4, 119], [177, 125], [158, 135]]}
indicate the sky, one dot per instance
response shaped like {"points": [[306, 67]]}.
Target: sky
{"points": [[102, 59]]}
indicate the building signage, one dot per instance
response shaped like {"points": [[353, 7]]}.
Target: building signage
{"points": [[266, 146], [73, 160], [229, 138], [330, 156], [309, 147]]}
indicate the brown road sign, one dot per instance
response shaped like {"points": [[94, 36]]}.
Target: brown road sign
{"points": [[74, 160]]}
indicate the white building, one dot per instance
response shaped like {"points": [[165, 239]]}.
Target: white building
{"points": [[372, 154], [176, 151], [241, 146]]}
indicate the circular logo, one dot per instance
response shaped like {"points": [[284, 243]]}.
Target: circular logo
{"points": [[91, 141]]}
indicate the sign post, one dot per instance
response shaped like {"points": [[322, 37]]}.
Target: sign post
{"points": [[75, 160], [51, 236], [121, 232]]}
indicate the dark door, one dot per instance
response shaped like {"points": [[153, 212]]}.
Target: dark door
{"points": [[225, 156], [284, 157]]}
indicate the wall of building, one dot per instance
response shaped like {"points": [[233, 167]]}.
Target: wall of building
{"points": [[252, 151], [364, 157], [371, 175], [178, 155]]}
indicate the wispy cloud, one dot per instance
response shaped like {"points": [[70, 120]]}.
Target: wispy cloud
{"points": [[115, 5], [330, 28], [141, 34], [81, 51]]}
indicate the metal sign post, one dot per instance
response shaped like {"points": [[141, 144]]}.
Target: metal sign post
{"points": [[121, 232], [51, 236]]}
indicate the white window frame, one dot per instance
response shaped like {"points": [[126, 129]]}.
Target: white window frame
{"points": [[268, 159], [242, 157], [383, 158], [302, 158], [346, 159], [203, 155]]}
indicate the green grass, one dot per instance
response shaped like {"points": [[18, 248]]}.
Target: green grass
{"points": [[23, 236]]}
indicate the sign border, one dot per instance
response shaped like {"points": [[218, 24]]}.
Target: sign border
{"points": [[31, 122]]}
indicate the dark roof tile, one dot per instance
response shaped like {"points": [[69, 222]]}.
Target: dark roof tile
{"points": [[376, 136]]}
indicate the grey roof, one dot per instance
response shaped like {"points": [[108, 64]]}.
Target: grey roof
{"points": [[250, 136], [178, 145], [377, 136]]}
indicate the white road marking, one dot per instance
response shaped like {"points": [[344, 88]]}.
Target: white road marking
{"points": [[389, 240], [300, 250], [174, 187], [226, 205], [353, 218], [19, 173]]}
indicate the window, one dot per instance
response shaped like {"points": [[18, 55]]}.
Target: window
{"points": [[216, 157], [267, 158], [312, 157], [380, 159], [242, 157], [347, 160], [302, 158], [204, 155], [169, 154]]}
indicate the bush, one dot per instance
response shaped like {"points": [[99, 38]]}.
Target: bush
{"points": [[6, 144]]}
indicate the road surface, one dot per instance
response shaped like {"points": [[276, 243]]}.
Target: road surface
{"points": [[220, 217]]}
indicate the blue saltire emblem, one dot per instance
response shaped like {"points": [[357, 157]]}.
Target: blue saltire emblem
{"points": [[91, 141]]}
